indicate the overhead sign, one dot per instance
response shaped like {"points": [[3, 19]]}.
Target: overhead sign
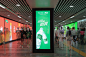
{"points": [[6, 21]]}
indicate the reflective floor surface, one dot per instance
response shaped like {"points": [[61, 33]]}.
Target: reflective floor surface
{"points": [[14, 49]]}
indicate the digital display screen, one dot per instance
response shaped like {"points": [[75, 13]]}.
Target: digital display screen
{"points": [[43, 29]]}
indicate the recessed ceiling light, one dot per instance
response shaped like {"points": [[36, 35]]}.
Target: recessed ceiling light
{"points": [[26, 21], [8, 15], [63, 21], [60, 16], [18, 5], [29, 16], [71, 6], [19, 16], [72, 17], [2, 6], [84, 16]]}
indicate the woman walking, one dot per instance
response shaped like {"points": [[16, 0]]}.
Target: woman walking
{"points": [[69, 37]]}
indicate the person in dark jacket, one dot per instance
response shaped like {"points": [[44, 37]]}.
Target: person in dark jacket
{"points": [[23, 36], [28, 36]]}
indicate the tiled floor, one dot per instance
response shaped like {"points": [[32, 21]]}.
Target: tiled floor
{"points": [[14, 49]]}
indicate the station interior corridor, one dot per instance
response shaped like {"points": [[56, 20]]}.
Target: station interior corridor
{"points": [[14, 49], [16, 17]]}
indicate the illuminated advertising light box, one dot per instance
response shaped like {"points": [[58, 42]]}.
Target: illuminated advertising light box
{"points": [[8, 30], [75, 24], [1, 29], [43, 30], [71, 25]]}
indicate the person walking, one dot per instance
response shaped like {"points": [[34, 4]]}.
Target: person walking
{"points": [[22, 37], [54, 36], [57, 37], [28, 34], [18, 34], [74, 34], [69, 37], [82, 36], [61, 36]]}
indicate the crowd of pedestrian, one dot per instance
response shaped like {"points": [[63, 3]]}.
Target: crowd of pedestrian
{"points": [[24, 33], [21, 33], [73, 36]]}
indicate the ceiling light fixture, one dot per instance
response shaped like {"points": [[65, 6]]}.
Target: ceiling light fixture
{"points": [[84, 16], [26, 21], [63, 21], [81, 20], [71, 6], [19, 16], [18, 5], [8, 15], [60, 16], [29, 16], [72, 17], [2, 6]]}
